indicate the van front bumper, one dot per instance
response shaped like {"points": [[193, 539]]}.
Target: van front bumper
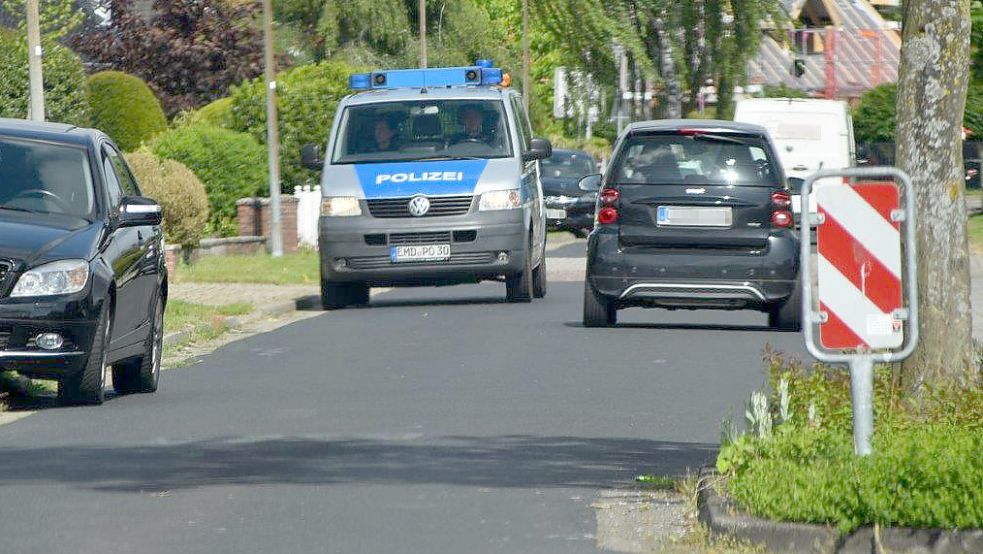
{"points": [[484, 246]]}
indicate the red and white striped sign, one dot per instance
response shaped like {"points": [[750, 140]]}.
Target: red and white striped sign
{"points": [[859, 267]]}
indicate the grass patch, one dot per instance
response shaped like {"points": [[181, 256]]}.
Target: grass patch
{"points": [[202, 322], [975, 229], [657, 482], [300, 268], [926, 470]]}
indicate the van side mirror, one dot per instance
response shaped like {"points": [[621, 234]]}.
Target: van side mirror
{"points": [[310, 157], [590, 183], [137, 211], [540, 149]]}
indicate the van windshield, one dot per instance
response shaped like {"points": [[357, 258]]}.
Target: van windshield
{"points": [[415, 131], [701, 159]]}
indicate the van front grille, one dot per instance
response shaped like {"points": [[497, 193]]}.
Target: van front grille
{"points": [[380, 262], [439, 206], [405, 239]]}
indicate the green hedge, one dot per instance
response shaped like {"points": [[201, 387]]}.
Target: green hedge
{"points": [[231, 165], [307, 97], [124, 107], [874, 119], [180, 193], [64, 82], [216, 114]]}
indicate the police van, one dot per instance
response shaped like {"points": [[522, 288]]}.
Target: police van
{"points": [[430, 177]]}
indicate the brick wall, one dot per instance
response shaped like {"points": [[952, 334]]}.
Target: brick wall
{"points": [[254, 217]]}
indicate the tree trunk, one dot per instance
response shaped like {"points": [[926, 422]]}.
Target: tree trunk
{"points": [[667, 67], [934, 77]]}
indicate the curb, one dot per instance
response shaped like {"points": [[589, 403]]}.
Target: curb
{"points": [[273, 310], [722, 517]]}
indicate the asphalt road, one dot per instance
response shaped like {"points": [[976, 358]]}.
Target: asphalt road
{"points": [[434, 421]]}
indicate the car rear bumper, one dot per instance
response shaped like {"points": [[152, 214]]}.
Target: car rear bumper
{"points": [[21, 321], [693, 278], [483, 246]]}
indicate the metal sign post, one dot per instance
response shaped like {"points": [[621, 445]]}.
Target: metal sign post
{"points": [[867, 299]]}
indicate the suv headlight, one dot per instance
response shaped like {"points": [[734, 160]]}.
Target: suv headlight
{"points": [[56, 278], [340, 206], [500, 200]]}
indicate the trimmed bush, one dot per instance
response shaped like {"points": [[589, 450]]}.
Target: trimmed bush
{"points": [[231, 165], [123, 107], [178, 190], [307, 97], [64, 81], [216, 114]]}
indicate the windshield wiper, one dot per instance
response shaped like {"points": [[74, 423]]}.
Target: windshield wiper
{"points": [[444, 158], [25, 210], [718, 138]]}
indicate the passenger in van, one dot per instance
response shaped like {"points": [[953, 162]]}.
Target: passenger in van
{"points": [[385, 136]]}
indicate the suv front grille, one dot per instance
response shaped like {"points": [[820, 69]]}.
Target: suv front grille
{"points": [[439, 206]]}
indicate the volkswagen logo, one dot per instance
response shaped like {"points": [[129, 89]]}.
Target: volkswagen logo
{"points": [[419, 206]]}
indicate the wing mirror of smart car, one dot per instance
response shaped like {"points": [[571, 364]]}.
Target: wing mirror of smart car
{"points": [[540, 149], [590, 183], [310, 157], [137, 211]]}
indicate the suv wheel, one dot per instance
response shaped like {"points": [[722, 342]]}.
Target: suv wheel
{"points": [[598, 310], [519, 287], [787, 316], [539, 278], [143, 373], [88, 386], [335, 296]]}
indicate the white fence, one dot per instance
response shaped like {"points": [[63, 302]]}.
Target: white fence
{"points": [[308, 212]]}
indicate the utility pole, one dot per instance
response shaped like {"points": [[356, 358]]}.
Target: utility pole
{"points": [[272, 131], [34, 53], [526, 85], [423, 33]]}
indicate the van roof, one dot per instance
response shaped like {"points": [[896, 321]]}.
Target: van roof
{"points": [[800, 104], [423, 95]]}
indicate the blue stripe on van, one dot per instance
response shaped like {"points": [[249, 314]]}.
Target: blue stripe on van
{"points": [[405, 179]]}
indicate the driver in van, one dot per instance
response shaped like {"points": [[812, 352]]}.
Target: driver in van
{"points": [[473, 121], [385, 136]]}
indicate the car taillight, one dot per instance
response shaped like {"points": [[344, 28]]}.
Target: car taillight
{"points": [[781, 218], [607, 215], [781, 200], [609, 197]]}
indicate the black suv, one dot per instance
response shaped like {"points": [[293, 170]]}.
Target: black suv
{"points": [[82, 276], [693, 214]]}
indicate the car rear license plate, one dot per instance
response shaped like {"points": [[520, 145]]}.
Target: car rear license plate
{"points": [[555, 214], [692, 216], [420, 253]]}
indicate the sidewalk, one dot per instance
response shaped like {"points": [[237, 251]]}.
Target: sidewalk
{"points": [[220, 294]]}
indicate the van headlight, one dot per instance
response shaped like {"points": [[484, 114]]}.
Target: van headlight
{"points": [[500, 200], [56, 278], [340, 206]]}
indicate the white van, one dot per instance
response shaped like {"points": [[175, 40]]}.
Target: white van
{"points": [[809, 134]]}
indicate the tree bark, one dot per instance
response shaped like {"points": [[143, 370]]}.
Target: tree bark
{"points": [[932, 87], [667, 67]]}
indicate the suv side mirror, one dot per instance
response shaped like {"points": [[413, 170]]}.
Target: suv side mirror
{"points": [[310, 157], [590, 183], [795, 184], [137, 211], [540, 149]]}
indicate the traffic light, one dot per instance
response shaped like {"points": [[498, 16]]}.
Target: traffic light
{"points": [[798, 67]]}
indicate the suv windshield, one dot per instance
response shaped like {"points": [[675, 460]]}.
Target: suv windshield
{"points": [[702, 159], [568, 165], [45, 178], [414, 130]]}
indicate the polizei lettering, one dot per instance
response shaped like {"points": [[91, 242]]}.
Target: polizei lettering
{"points": [[426, 176]]}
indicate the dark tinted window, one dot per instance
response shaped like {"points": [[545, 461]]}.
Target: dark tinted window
{"points": [[569, 165], [123, 174], [44, 177], [696, 158]]}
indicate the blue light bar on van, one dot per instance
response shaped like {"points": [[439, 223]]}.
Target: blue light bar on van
{"points": [[427, 78]]}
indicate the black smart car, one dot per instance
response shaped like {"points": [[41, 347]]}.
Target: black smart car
{"points": [[82, 277], [693, 214], [568, 208]]}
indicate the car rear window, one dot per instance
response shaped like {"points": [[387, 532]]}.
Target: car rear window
{"points": [[695, 158]]}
